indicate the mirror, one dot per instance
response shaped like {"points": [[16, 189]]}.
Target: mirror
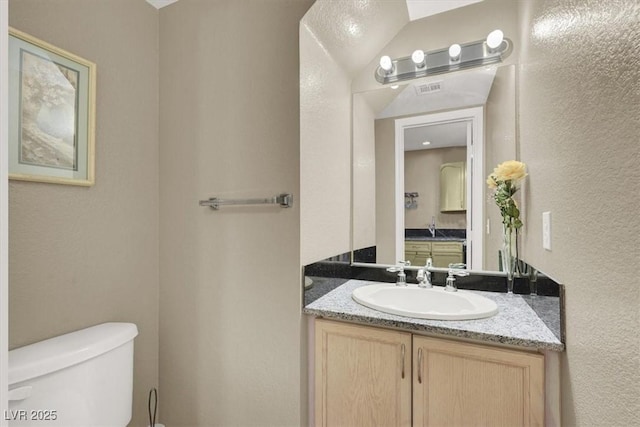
{"points": [[413, 200]]}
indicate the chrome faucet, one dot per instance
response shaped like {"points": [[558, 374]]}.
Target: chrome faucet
{"points": [[424, 275], [451, 279], [402, 277], [432, 226]]}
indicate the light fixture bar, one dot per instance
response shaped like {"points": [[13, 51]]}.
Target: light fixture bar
{"points": [[473, 54]]}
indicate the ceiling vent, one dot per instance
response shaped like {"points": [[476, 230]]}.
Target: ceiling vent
{"points": [[427, 88]]}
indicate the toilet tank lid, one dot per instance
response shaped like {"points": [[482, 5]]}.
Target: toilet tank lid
{"points": [[66, 350]]}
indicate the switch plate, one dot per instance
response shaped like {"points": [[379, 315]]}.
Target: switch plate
{"points": [[546, 230]]}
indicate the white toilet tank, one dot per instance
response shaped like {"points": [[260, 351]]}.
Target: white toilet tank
{"points": [[84, 378]]}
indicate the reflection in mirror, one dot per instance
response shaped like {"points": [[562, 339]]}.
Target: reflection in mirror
{"points": [[447, 214]]}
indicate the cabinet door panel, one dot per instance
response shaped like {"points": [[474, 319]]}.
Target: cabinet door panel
{"points": [[458, 384], [443, 260], [413, 245], [421, 259], [359, 376]]}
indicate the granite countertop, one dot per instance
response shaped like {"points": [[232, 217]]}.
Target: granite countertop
{"points": [[515, 324]]}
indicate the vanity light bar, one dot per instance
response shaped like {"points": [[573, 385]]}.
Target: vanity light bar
{"points": [[454, 58]]}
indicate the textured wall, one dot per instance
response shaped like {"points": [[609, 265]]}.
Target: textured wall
{"points": [[83, 256], [579, 118], [230, 290], [325, 152]]}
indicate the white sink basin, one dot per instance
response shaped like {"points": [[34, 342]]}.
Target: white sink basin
{"points": [[434, 303]]}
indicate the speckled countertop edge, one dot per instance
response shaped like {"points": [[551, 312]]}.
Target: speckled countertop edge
{"points": [[515, 324]]}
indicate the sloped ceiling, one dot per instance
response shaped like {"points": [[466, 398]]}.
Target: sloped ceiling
{"points": [[419, 9], [441, 135], [353, 31], [160, 3]]}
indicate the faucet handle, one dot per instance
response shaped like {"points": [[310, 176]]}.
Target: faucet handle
{"points": [[457, 272], [400, 267], [402, 277], [450, 284]]}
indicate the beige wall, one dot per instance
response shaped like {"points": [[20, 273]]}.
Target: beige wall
{"points": [[83, 256], [500, 145], [579, 127], [385, 191], [422, 175], [230, 290]]}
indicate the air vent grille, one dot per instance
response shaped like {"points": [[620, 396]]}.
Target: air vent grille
{"points": [[427, 88]]}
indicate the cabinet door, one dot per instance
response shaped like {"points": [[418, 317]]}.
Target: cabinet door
{"points": [[453, 187], [460, 384], [362, 376], [443, 260], [445, 253]]}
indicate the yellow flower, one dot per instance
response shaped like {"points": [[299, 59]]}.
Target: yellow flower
{"points": [[511, 170], [491, 182]]}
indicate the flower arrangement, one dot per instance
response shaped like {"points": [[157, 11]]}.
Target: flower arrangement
{"points": [[505, 180]]}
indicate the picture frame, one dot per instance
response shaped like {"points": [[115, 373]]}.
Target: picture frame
{"points": [[51, 113]]}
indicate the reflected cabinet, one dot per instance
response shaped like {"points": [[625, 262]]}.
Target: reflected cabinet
{"points": [[369, 376], [441, 253], [453, 187]]}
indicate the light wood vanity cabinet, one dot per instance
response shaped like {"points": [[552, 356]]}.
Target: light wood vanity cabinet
{"points": [[441, 253], [368, 376], [417, 252]]}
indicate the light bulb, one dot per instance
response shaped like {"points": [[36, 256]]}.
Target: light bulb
{"points": [[494, 39], [454, 51], [386, 64], [418, 58]]}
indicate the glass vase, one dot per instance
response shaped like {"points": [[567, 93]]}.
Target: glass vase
{"points": [[508, 252]]}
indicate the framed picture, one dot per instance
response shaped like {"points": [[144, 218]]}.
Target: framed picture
{"points": [[51, 113]]}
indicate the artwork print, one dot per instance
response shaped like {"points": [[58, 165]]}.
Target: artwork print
{"points": [[48, 113], [51, 113]]}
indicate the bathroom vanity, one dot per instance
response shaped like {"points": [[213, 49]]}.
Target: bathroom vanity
{"points": [[374, 368]]}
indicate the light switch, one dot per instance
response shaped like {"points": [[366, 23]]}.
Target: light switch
{"points": [[546, 230]]}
